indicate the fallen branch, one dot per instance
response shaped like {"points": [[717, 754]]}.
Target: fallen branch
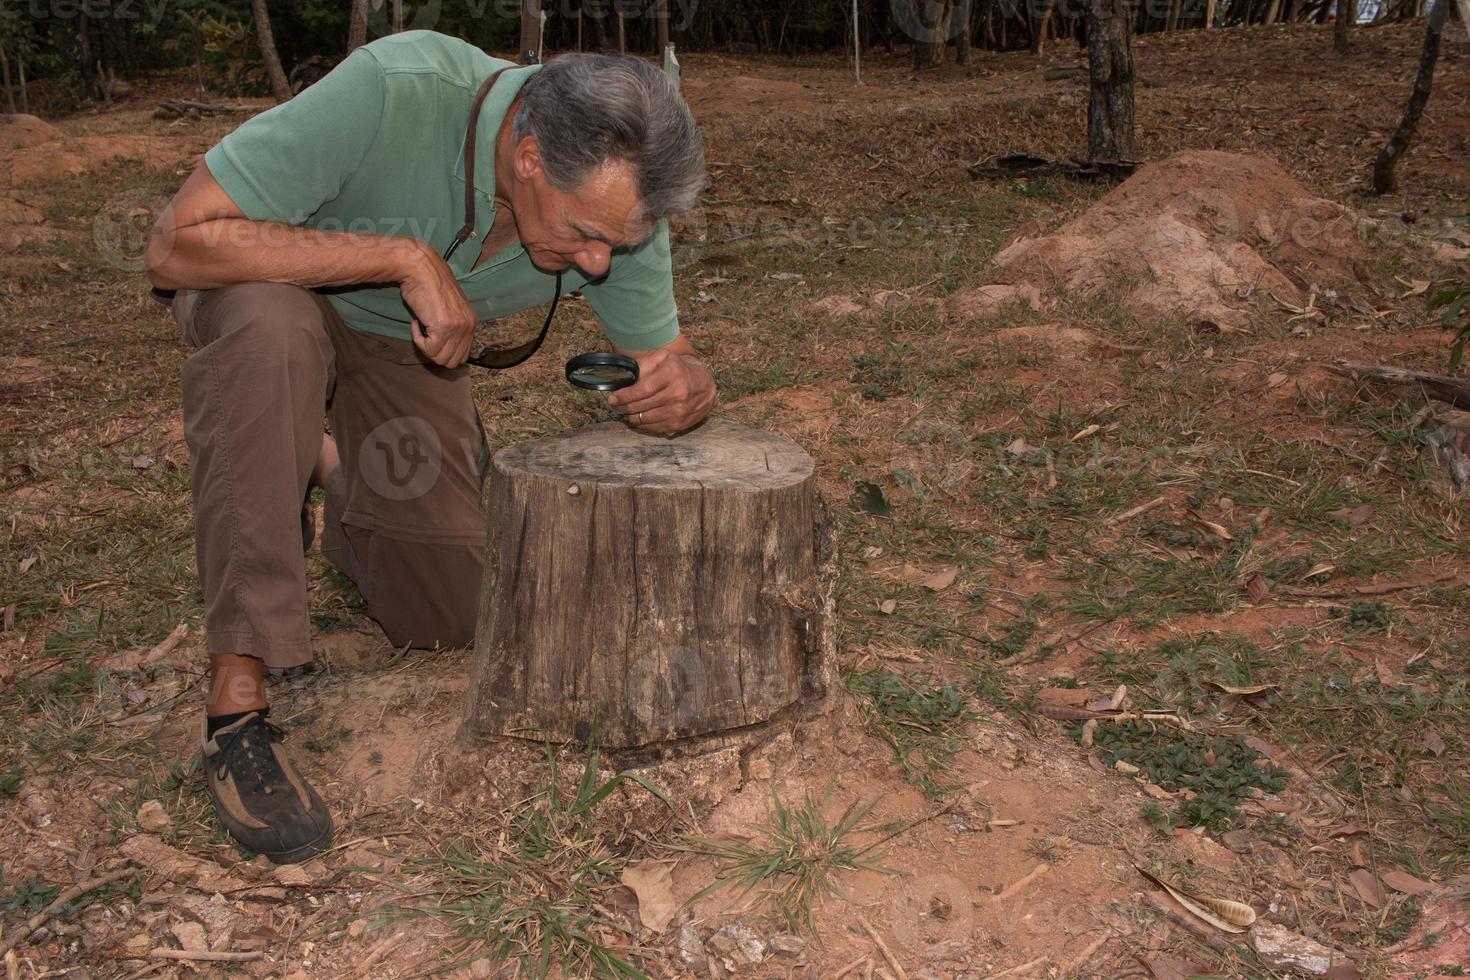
{"points": [[207, 956], [1128, 515], [182, 108], [1016, 970], [65, 898], [1019, 885], [883, 948], [1456, 391]]}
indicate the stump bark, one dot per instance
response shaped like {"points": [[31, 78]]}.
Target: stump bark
{"points": [[641, 591]]}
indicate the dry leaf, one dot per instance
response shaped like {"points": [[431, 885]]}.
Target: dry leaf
{"points": [[872, 552], [653, 883], [1260, 745], [7, 620], [1432, 743], [1321, 568], [1166, 968], [1354, 515], [1018, 448], [1084, 433], [941, 579], [1415, 286], [1402, 881], [1277, 380], [1247, 691], [1065, 695], [26, 564], [887, 606], [1222, 913], [1366, 884], [1218, 530], [1348, 829], [1258, 588], [1157, 792]]}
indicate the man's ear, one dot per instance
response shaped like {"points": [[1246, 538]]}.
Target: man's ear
{"points": [[527, 158]]}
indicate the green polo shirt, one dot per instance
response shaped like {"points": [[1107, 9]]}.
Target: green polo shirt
{"points": [[377, 146]]}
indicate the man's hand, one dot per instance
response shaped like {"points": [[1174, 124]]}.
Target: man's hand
{"points": [[675, 391], [444, 321]]}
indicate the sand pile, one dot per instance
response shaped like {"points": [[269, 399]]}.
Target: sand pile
{"points": [[1218, 236]]}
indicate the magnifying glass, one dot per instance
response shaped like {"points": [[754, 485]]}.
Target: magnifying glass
{"points": [[602, 372]]}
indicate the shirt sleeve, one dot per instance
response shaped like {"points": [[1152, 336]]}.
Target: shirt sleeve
{"points": [[634, 303], [283, 164]]}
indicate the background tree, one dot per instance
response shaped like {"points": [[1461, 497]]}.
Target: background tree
{"points": [[1346, 9], [1110, 130], [280, 88], [357, 25], [1385, 168]]}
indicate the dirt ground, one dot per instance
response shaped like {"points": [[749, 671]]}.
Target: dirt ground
{"points": [[1129, 493]]}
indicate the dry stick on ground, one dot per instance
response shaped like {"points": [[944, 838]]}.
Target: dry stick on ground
{"points": [[70, 895], [205, 956], [1023, 968], [1455, 391], [1385, 168], [883, 948]]}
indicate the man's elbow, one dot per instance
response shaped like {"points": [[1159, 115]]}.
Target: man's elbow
{"points": [[160, 258]]}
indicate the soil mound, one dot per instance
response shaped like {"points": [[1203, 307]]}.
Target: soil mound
{"points": [[1220, 236], [20, 131]]}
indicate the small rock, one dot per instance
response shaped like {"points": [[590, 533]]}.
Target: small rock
{"points": [[153, 818], [482, 969], [691, 949], [738, 941], [787, 943], [1283, 949]]}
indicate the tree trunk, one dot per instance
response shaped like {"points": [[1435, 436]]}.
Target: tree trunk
{"points": [[1385, 168], [1345, 10], [662, 16], [619, 27], [280, 88], [1038, 32], [962, 17], [641, 590], [530, 32], [357, 21], [5, 72], [397, 25], [84, 53], [1110, 134], [1209, 14], [1172, 23], [20, 65]]}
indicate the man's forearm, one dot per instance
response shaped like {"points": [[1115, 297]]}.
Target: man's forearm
{"points": [[225, 251]]}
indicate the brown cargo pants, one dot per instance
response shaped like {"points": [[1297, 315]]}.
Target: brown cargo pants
{"points": [[402, 513]]}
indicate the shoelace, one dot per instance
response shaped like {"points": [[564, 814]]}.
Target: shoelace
{"points": [[251, 747]]}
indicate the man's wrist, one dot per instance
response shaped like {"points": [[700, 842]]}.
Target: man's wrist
{"points": [[410, 258]]}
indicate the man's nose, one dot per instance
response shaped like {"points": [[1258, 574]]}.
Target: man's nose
{"points": [[595, 259]]}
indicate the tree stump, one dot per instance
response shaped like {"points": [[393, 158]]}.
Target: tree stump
{"points": [[642, 591]]}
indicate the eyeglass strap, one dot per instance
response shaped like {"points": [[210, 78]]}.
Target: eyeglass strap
{"points": [[469, 163]]}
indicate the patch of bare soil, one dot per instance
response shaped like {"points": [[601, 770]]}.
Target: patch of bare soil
{"points": [[1219, 236]]}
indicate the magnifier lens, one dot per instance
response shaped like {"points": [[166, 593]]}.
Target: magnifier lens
{"points": [[602, 372]]}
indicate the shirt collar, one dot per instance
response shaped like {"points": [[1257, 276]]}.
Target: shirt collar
{"points": [[492, 114]]}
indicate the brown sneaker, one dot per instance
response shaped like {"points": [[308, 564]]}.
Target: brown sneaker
{"points": [[259, 796]]}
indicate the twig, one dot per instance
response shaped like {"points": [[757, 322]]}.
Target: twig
{"points": [[865, 958], [1023, 968], [1128, 515], [1456, 391], [1071, 965], [65, 898], [207, 956], [1016, 887], [1196, 930], [883, 948]]}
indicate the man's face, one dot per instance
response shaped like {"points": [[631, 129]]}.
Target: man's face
{"points": [[581, 229]]}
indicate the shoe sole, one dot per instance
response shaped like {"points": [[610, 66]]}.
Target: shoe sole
{"points": [[303, 852]]}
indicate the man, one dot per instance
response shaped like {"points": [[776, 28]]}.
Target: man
{"points": [[305, 258]]}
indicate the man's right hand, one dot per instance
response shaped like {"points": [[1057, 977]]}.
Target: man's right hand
{"points": [[444, 321]]}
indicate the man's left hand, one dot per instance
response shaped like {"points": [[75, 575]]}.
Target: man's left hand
{"points": [[674, 393]]}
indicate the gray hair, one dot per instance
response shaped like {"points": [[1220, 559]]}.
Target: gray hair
{"points": [[587, 110]]}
